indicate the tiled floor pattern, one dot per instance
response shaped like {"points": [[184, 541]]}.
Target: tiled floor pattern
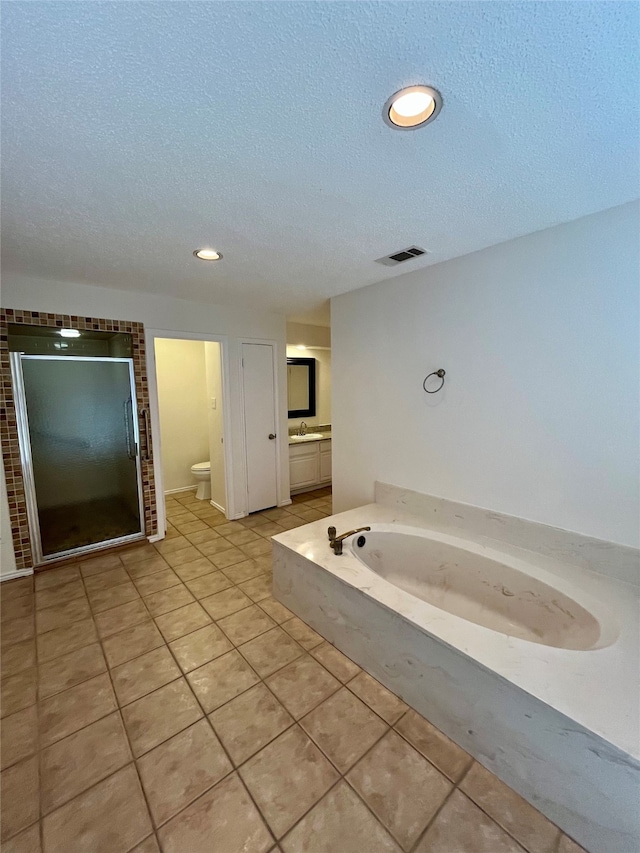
{"points": [[160, 699]]}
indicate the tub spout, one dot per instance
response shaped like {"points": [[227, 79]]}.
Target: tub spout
{"points": [[335, 542]]}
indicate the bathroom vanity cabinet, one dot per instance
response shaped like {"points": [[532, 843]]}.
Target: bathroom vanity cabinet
{"points": [[309, 465]]}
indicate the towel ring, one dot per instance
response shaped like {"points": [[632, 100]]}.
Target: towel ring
{"points": [[440, 375]]}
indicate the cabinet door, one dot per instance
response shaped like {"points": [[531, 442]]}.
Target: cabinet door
{"points": [[303, 466], [325, 461]]}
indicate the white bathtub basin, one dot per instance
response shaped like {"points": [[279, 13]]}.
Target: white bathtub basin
{"points": [[479, 588]]}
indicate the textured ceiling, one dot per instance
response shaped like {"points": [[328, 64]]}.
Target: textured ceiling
{"points": [[134, 133]]}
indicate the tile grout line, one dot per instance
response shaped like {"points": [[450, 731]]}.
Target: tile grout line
{"points": [[312, 807], [218, 739], [126, 733], [456, 786], [118, 710], [93, 613], [183, 674], [442, 804], [295, 722], [342, 776], [497, 821], [422, 834], [234, 769], [75, 563], [426, 757]]}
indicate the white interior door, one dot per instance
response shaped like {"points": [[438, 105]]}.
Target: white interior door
{"points": [[260, 425]]}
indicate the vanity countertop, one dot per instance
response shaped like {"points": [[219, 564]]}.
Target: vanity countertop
{"points": [[324, 435]]}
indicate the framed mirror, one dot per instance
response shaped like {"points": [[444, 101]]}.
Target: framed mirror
{"points": [[301, 387]]}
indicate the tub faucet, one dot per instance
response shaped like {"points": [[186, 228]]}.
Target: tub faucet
{"points": [[335, 542], [303, 428]]}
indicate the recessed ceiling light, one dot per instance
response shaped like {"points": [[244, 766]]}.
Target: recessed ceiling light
{"points": [[70, 333], [207, 254], [412, 107]]}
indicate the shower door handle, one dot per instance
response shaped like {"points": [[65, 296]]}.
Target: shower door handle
{"points": [[146, 456], [128, 424]]}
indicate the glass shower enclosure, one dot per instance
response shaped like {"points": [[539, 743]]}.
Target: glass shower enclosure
{"points": [[79, 446]]}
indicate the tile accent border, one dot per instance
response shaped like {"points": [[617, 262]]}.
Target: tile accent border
{"points": [[9, 430]]}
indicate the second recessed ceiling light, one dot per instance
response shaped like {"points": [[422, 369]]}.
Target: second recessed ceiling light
{"points": [[412, 107], [207, 254]]}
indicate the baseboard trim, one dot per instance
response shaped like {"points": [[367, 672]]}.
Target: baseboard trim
{"points": [[18, 573], [285, 503], [218, 507], [311, 487], [157, 537], [183, 489]]}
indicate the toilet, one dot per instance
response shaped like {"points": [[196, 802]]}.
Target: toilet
{"points": [[202, 472]]}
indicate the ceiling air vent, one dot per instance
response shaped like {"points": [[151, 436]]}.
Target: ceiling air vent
{"points": [[402, 256]]}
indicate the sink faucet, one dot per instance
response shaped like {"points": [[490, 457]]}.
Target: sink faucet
{"points": [[303, 428], [335, 542]]}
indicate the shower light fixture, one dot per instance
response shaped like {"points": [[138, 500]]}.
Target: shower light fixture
{"points": [[412, 107], [69, 333], [207, 254]]}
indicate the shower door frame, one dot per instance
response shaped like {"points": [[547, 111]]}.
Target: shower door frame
{"points": [[24, 440]]}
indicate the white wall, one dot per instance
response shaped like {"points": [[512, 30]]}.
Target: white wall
{"points": [[539, 414], [183, 403], [215, 423], [308, 335], [162, 313], [323, 384]]}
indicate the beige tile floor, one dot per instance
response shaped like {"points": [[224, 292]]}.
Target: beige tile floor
{"points": [[159, 698]]}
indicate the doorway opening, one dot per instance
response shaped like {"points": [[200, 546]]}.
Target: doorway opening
{"points": [[309, 409], [191, 421]]}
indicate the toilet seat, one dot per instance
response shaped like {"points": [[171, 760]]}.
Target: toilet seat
{"points": [[201, 466]]}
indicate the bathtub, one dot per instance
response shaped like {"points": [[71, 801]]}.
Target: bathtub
{"points": [[529, 662], [484, 588]]}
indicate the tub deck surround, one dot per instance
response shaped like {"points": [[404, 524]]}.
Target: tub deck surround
{"points": [[611, 711], [620, 562], [560, 726]]}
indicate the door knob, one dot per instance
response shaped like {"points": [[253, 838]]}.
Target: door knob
{"points": [[272, 435]]}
